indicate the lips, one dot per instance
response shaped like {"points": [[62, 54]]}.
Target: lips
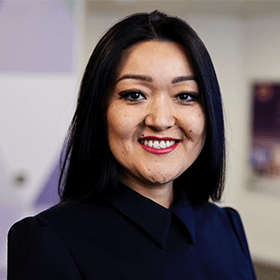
{"points": [[156, 145]]}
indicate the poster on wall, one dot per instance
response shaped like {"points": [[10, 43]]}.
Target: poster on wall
{"points": [[265, 141]]}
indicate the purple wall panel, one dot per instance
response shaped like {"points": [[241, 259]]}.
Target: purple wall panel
{"points": [[265, 151], [36, 36], [49, 194]]}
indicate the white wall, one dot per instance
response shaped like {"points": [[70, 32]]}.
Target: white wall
{"points": [[261, 210]]}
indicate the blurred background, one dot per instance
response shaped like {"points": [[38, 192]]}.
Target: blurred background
{"points": [[44, 47]]}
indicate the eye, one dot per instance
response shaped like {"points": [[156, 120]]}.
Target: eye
{"points": [[187, 97], [132, 95]]}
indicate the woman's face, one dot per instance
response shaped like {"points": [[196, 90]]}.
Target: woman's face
{"points": [[155, 120]]}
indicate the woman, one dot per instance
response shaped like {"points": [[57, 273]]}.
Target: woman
{"points": [[145, 154]]}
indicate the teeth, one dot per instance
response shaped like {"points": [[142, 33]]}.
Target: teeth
{"points": [[158, 144], [162, 145]]}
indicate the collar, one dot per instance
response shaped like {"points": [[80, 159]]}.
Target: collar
{"points": [[153, 218]]}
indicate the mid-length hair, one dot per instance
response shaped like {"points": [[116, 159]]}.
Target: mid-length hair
{"points": [[89, 170]]}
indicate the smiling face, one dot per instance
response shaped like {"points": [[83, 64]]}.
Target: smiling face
{"points": [[155, 120]]}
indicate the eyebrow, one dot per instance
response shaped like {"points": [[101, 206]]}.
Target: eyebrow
{"points": [[136, 77], [149, 79], [183, 78]]}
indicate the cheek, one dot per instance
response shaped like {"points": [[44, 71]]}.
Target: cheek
{"points": [[200, 125], [114, 128], [114, 134], [195, 126], [201, 129], [118, 128]]}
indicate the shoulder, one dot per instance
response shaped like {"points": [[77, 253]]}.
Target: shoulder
{"points": [[63, 217], [50, 221], [225, 219], [48, 245], [211, 211], [222, 215], [38, 250], [67, 223]]}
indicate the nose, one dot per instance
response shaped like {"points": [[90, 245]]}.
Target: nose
{"points": [[160, 115]]}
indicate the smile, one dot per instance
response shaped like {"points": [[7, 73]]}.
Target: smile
{"points": [[159, 146]]}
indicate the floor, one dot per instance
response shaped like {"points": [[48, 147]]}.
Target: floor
{"points": [[267, 272]]}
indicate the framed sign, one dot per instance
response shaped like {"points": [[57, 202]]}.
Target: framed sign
{"points": [[265, 142]]}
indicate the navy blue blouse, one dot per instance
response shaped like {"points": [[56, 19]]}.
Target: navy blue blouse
{"points": [[130, 237]]}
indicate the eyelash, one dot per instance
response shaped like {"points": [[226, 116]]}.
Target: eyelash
{"points": [[127, 95], [193, 95], [189, 96]]}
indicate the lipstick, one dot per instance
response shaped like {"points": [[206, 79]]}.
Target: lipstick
{"points": [[158, 145]]}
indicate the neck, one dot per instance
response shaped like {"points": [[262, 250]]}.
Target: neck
{"points": [[160, 194]]}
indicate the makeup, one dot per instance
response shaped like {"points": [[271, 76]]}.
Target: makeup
{"points": [[155, 120], [158, 145]]}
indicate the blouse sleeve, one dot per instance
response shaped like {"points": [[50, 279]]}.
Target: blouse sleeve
{"points": [[36, 251], [240, 233]]}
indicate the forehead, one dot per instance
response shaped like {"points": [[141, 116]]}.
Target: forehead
{"points": [[151, 56]]}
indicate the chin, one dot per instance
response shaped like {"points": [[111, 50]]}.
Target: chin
{"points": [[161, 179]]}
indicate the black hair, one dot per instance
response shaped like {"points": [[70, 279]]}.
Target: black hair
{"points": [[89, 170]]}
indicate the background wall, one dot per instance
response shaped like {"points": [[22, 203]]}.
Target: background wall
{"points": [[36, 105], [38, 84], [261, 63]]}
